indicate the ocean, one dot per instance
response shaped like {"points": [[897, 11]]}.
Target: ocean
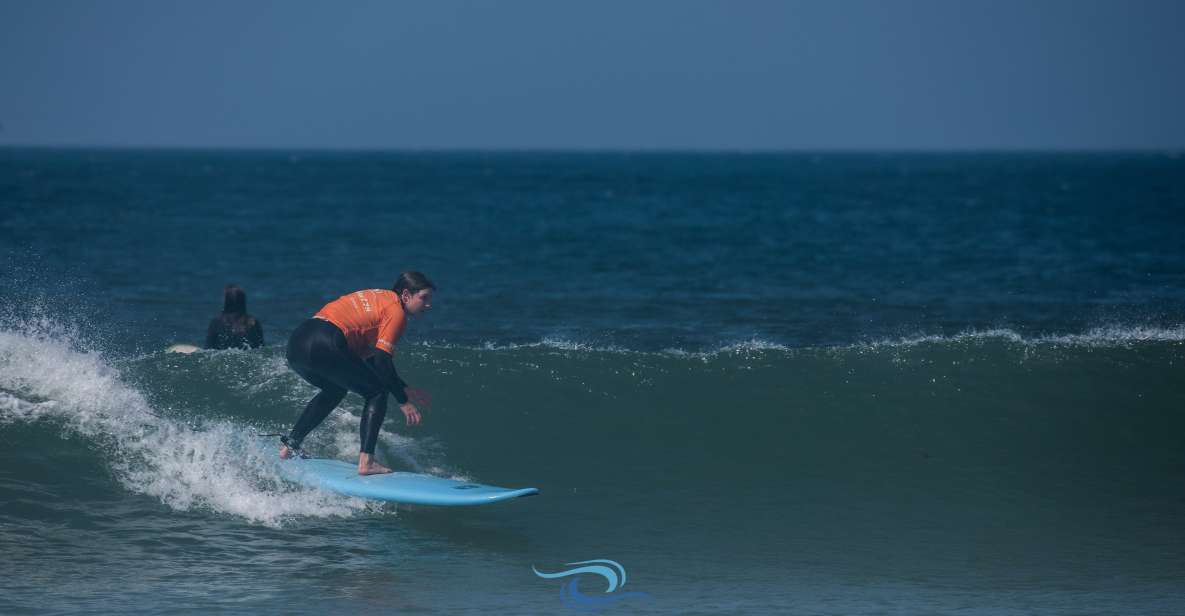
{"points": [[757, 383]]}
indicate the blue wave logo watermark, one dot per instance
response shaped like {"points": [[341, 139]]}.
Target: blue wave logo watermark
{"points": [[611, 571]]}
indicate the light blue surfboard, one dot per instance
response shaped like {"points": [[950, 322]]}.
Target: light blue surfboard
{"points": [[413, 488]]}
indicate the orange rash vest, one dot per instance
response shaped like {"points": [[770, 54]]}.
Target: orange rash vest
{"points": [[370, 319]]}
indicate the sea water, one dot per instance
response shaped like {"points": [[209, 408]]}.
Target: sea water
{"points": [[757, 383]]}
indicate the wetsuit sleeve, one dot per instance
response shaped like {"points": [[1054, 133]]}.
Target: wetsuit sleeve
{"points": [[385, 367], [212, 335], [255, 336]]}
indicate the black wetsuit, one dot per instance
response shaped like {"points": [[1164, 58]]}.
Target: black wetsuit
{"points": [[228, 332], [319, 353]]}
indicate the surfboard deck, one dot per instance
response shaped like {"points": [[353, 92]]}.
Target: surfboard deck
{"points": [[397, 487]]}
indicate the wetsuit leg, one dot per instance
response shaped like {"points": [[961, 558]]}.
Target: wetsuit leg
{"points": [[318, 352], [314, 413], [372, 422]]}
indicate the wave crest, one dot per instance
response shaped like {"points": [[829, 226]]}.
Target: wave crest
{"points": [[221, 467], [1119, 336]]}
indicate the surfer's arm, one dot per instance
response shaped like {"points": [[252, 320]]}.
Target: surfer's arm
{"points": [[385, 367], [255, 334]]}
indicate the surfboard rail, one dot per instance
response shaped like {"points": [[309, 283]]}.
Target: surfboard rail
{"points": [[398, 487]]}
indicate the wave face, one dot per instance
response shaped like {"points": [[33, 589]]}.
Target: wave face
{"points": [[978, 461], [985, 408]]}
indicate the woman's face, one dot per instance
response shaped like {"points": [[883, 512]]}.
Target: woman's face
{"points": [[418, 302]]}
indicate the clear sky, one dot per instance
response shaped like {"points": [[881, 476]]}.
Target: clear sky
{"points": [[670, 74]]}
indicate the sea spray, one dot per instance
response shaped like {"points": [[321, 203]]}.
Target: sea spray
{"points": [[215, 465]]}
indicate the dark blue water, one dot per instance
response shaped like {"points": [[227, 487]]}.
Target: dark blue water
{"points": [[646, 251], [816, 384]]}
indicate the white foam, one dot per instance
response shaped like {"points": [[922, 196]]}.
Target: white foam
{"points": [[558, 344], [1123, 335], [752, 345], [221, 467], [13, 409], [1108, 336]]}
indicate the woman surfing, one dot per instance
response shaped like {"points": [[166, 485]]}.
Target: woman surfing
{"points": [[348, 346]]}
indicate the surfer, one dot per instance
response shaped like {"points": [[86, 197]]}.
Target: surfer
{"points": [[347, 346], [234, 328]]}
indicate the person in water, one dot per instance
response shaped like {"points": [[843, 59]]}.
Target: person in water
{"points": [[347, 346], [234, 328]]}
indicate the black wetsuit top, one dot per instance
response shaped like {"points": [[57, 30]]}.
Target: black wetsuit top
{"points": [[226, 332]]}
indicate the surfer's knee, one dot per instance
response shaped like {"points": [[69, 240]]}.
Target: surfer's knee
{"points": [[376, 406], [331, 394], [379, 398], [371, 389]]}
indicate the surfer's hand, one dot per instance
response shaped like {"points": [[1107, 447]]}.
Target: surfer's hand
{"points": [[411, 413]]}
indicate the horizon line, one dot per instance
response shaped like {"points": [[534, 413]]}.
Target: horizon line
{"points": [[1168, 150]]}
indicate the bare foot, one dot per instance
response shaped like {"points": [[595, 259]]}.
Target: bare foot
{"points": [[367, 465], [285, 452], [374, 468]]}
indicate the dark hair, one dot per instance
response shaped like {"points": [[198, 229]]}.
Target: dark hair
{"points": [[234, 309], [412, 281], [234, 300], [234, 327]]}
